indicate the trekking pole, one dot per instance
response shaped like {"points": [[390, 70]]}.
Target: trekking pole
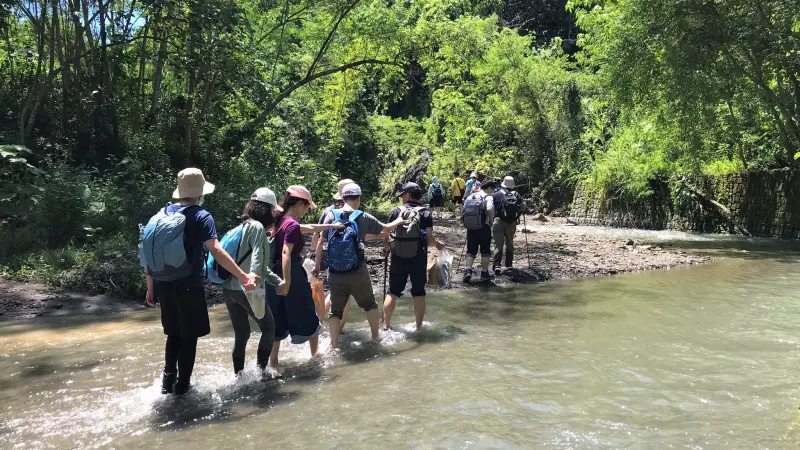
{"points": [[385, 271], [525, 232], [458, 264]]}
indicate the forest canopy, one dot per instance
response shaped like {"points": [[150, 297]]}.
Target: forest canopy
{"points": [[103, 101]]}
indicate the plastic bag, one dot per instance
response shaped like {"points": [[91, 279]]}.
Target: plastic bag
{"points": [[257, 299], [445, 263], [309, 266], [318, 294], [434, 278], [317, 288]]}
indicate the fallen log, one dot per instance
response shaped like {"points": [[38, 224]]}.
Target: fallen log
{"points": [[718, 208], [413, 173]]}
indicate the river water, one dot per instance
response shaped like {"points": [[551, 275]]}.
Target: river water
{"points": [[699, 357]]}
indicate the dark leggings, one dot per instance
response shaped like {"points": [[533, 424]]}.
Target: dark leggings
{"points": [[240, 311], [179, 356]]}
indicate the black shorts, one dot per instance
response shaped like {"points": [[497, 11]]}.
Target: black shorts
{"points": [[436, 202], [183, 309], [458, 200], [479, 239], [404, 268]]}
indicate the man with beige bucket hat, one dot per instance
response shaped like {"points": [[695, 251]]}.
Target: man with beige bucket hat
{"points": [[171, 251], [509, 207]]}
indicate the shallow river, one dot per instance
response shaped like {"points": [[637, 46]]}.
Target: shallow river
{"points": [[700, 357]]}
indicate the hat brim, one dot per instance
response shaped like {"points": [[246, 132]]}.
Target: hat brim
{"points": [[277, 208], [312, 204], [507, 186], [208, 188], [337, 196]]}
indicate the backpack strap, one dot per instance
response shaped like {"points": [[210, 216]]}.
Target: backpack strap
{"points": [[250, 250]]}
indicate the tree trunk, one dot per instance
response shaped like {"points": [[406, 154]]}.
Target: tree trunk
{"points": [[104, 78], [140, 79], [36, 92], [86, 24], [80, 46], [714, 206], [162, 59]]}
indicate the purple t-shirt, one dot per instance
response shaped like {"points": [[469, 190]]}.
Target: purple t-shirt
{"points": [[288, 232]]}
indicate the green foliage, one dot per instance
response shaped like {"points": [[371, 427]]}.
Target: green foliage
{"points": [[19, 180], [102, 109], [718, 80]]}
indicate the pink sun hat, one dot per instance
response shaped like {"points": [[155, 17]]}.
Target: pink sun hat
{"points": [[301, 192]]}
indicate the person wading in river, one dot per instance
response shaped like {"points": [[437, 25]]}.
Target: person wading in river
{"points": [[478, 216], [348, 272], [171, 251], [253, 254], [509, 207], [409, 249], [294, 312], [316, 247]]}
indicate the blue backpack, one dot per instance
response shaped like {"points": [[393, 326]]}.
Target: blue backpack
{"points": [[161, 246], [230, 243], [344, 253]]}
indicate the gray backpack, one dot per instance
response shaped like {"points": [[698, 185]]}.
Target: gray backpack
{"points": [[405, 239], [475, 212]]}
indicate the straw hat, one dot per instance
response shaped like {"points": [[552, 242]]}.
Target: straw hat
{"points": [[192, 184]]}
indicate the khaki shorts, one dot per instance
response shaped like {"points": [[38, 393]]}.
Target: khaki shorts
{"points": [[356, 283]]}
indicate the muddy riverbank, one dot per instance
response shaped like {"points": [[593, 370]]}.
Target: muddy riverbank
{"points": [[551, 254]]}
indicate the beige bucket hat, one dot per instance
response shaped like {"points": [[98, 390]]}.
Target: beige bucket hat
{"points": [[192, 184], [340, 187]]}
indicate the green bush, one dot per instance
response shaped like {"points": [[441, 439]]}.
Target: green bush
{"points": [[106, 266], [62, 206]]}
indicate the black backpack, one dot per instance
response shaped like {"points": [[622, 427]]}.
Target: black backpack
{"points": [[437, 191], [511, 206], [405, 240]]}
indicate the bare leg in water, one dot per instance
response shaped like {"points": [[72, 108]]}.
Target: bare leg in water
{"points": [[313, 343], [388, 309], [344, 316], [391, 302], [419, 310], [273, 356]]}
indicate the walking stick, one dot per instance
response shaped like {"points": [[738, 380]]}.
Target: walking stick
{"points": [[385, 271], [525, 232], [458, 264]]}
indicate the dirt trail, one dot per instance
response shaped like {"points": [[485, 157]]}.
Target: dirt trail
{"points": [[553, 255]]}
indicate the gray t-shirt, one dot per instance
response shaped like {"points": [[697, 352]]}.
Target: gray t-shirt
{"points": [[367, 224]]}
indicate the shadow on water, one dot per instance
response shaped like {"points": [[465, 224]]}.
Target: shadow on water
{"points": [[356, 351], [506, 304], [175, 413]]}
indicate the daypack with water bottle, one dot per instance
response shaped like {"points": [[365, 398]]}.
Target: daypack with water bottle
{"points": [[161, 245], [475, 212], [405, 240], [344, 252], [230, 243]]}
